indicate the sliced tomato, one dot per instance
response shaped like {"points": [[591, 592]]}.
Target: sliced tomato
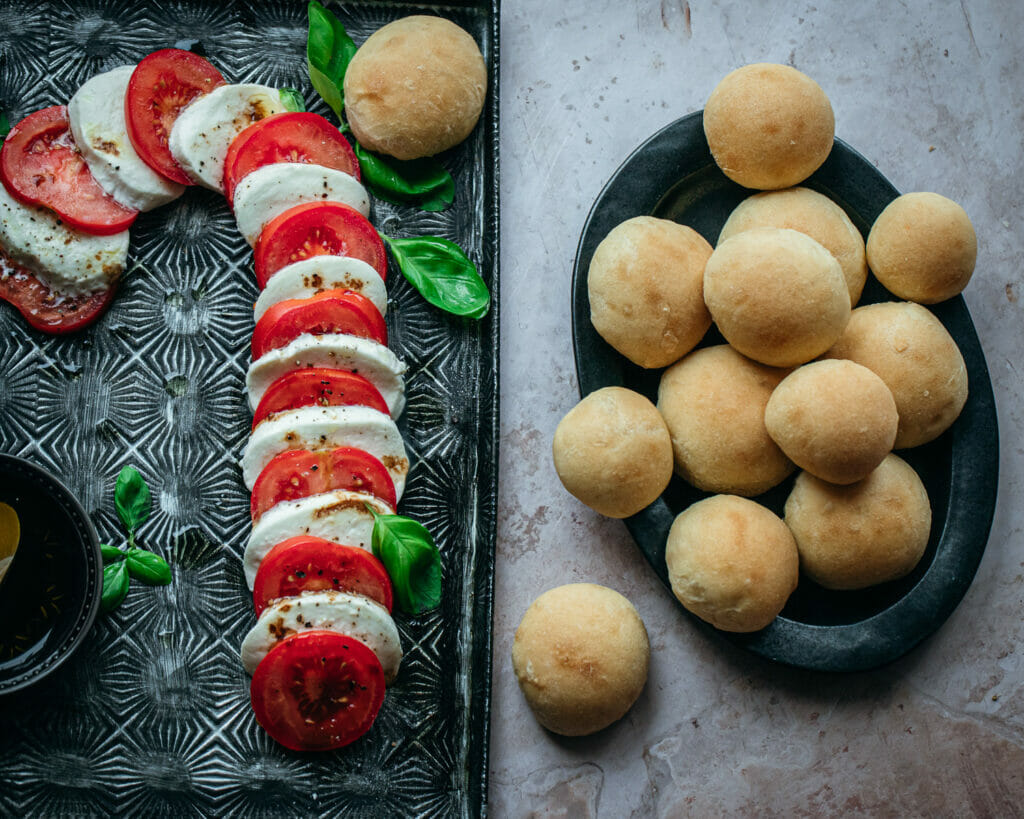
{"points": [[317, 229], [42, 308], [332, 311], [161, 85], [287, 137], [307, 563], [317, 690], [318, 386], [40, 165]]}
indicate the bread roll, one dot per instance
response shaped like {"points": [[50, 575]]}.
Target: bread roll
{"points": [[713, 402], [646, 285], [416, 87], [869, 532], [732, 562], [581, 656], [910, 350], [922, 247], [813, 214], [777, 295], [768, 126], [613, 452], [835, 419]]}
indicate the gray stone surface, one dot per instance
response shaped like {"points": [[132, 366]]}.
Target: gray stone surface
{"points": [[933, 94]]}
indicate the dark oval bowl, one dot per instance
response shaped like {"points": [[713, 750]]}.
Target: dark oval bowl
{"points": [[673, 176], [51, 517]]}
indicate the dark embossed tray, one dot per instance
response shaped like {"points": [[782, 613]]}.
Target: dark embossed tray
{"points": [[152, 715]]}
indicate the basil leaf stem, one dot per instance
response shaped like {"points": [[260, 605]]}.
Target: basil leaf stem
{"points": [[111, 553], [131, 497], [423, 182], [328, 52], [148, 567], [412, 560], [292, 99], [115, 585], [442, 273]]}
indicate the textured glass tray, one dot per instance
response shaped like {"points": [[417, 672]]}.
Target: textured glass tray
{"points": [[152, 716]]}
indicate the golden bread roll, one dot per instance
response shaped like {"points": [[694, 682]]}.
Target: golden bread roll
{"points": [[922, 247], [869, 532], [910, 350], [769, 126], [613, 452], [713, 402], [646, 286], [834, 418], [732, 562], [581, 656], [813, 214], [416, 87], [776, 295]]}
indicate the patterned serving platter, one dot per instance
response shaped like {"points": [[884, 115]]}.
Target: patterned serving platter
{"points": [[152, 716]]}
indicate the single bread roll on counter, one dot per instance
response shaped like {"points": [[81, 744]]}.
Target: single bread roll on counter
{"points": [[768, 126], [836, 419], [922, 247], [613, 452], [810, 213], [713, 402], [646, 285], [910, 350], [581, 656], [732, 562], [777, 295], [416, 87], [872, 531]]}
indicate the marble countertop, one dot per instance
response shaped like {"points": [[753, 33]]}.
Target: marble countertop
{"points": [[933, 94]]}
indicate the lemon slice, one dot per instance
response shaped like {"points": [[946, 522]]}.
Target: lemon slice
{"points": [[10, 535]]}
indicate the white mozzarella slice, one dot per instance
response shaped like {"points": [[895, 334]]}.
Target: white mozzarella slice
{"points": [[302, 280], [340, 516], [204, 130], [67, 260], [369, 358], [321, 428], [272, 189], [96, 112], [349, 614]]}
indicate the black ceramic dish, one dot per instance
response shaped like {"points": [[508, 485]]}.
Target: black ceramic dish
{"points": [[45, 615], [673, 176]]}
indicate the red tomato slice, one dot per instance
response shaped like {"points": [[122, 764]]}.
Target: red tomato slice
{"points": [[332, 311], [42, 308], [161, 85], [40, 165], [318, 386], [287, 137], [317, 229], [307, 563], [299, 473], [317, 690]]}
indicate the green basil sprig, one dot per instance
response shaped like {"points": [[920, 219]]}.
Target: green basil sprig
{"points": [[5, 127], [443, 273], [329, 50], [133, 503], [410, 555], [291, 99]]}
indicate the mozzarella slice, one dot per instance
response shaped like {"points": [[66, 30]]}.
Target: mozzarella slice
{"points": [[301, 280], [349, 614], [203, 131], [96, 112], [271, 189], [372, 360], [67, 260], [340, 516], [322, 428]]}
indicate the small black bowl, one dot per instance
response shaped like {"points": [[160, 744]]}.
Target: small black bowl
{"points": [[51, 594]]}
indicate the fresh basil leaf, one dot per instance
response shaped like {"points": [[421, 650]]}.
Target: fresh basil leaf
{"points": [[408, 552], [329, 50], [292, 99], [131, 497], [111, 553], [5, 127], [443, 274], [423, 182], [148, 567], [115, 585]]}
